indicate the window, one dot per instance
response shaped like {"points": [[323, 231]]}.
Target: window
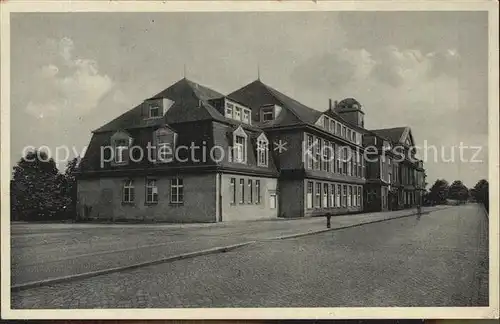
{"points": [[355, 164], [232, 187], [267, 114], [360, 157], [165, 144], [154, 111], [272, 199], [242, 191], [355, 196], [246, 116], [151, 191], [343, 131], [339, 191], [237, 113], [325, 123], [363, 168], [344, 161], [317, 155], [229, 110], [344, 197], [348, 134], [240, 149], [349, 162], [349, 196], [308, 153], [359, 195], [128, 191], [339, 158], [317, 202], [332, 195], [250, 191], [121, 151], [176, 191], [262, 150], [326, 156], [339, 127], [332, 157], [389, 171], [257, 191], [309, 197], [353, 136], [332, 126], [325, 195]]}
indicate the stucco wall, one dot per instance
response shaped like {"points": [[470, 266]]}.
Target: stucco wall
{"points": [[247, 211], [105, 197]]}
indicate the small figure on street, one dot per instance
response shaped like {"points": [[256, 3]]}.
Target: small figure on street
{"points": [[328, 217], [419, 211]]}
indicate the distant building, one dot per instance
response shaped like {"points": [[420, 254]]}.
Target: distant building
{"points": [[191, 154]]}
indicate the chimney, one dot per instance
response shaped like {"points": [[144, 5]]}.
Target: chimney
{"points": [[330, 103]]}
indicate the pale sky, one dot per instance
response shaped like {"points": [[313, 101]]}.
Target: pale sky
{"points": [[71, 73]]}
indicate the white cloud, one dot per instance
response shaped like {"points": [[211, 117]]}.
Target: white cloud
{"points": [[67, 86]]}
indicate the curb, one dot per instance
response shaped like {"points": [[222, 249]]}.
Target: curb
{"points": [[341, 227], [85, 275]]}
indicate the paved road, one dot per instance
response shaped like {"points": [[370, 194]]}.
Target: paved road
{"points": [[45, 251], [440, 259]]}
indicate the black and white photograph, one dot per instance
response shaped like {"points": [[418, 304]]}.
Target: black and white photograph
{"points": [[316, 157]]}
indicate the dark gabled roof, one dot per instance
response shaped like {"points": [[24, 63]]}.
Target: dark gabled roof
{"points": [[256, 94], [393, 134], [187, 96]]}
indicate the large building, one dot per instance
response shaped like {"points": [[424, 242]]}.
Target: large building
{"points": [[191, 154]]}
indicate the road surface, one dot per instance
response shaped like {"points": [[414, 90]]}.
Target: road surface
{"points": [[440, 259]]}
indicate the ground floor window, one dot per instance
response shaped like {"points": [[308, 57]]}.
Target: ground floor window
{"points": [[242, 191], [332, 195], [355, 196], [317, 203], [339, 192], [151, 191], [272, 199], [349, 196], [344, 197], [257, 191], [309, 195], [232, 187], [128, 191], [176, 191], [359, 195], [325, 195], [250, 191]]}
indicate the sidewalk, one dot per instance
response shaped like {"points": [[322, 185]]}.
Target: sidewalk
{"points": [[92, 251]]}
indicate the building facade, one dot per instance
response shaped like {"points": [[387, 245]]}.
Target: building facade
{"points": [[191, 154]]}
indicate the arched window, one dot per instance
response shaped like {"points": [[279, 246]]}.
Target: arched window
{"points": [[262, 150]]}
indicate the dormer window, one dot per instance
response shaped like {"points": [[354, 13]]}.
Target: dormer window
{"points": [[332, 126], [164, 141], [325, 123], [246, 116], [154, 111], [229, 110], [262, 150], [267, 114], [121, 142], [240, 146], [237, 113]]}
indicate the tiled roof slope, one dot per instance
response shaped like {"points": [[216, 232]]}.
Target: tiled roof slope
{"points": [[186, 94], [393, 134]]}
